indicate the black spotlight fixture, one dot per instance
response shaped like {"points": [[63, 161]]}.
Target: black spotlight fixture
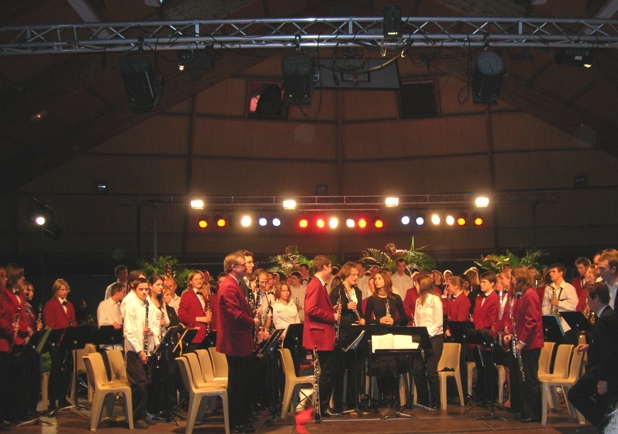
{"points": [[196, 59], [391, 26], [487, 78], [140, 82], [297, 71], [574, 57]]}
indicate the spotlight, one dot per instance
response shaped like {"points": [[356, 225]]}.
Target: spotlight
{"points": [[38, 116], [378, 223], [197, 204], [462, 219], [405, 220], [574, 57], [39, 220], [487, 78], [333, 222], [245, 221], [450, 220], [262, 221], [435, 219], [391, 26], [420, 220], [276, 222], [143, 88], [303, 223], [100, 188], [221, 222], [362, 223], [320, 223], [391, 202], [478, 220], [350, 223], [481, 202], [289, 204], [202, 222], [196, 59]]}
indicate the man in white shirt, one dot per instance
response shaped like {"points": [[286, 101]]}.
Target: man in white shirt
{"points": [[401, 281], [298, 293], [170, 282], [560, 296], [108, 312], [138, 345], [363, 281], [608, 269], [122, 274]]}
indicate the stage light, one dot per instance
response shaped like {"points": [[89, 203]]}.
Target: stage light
{"points": [[420, 220], [487, 78], [196, 59], [303, 223], [405, 220], [245, 221], [221, 222], [481, 202], [574, 57], [297, 69], [435, 219], [320, 223], [391, 202], [450, 220], [197, 204], [378, 223], [39, 220], [350, 223], [262, 221], [333, 222], [202, 222], [276, 222], [462, 219], [362, 223], [478, 220], [141, 84], [289, 204], [391, 26]]}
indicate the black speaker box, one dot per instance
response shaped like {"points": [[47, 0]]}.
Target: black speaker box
{"points": [[487, 78], [142, 86], [297, 71]]}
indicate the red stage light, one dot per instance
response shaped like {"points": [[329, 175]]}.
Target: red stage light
{"points": [[362, 223]]}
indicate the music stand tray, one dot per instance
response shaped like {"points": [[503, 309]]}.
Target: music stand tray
{"points": [[108, 335], [39, 340], [577, 321], [293, 341], [186, 338], [460, 330], [552, 329], [271, 343]]}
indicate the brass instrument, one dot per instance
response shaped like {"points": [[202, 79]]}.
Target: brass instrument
{"points": [[338, 323], [317, 412], [554, 309]]}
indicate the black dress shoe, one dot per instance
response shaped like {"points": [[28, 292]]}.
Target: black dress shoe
{"points": [[528, 420], [331, 412], [248, 428], [242, 428]]}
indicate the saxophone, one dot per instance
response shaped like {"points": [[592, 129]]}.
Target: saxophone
{"points": [[317, 412], [554, 309]]}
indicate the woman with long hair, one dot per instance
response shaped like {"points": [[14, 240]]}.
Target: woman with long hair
{"points": [[285, 310], [157, 322], [428, 313]]}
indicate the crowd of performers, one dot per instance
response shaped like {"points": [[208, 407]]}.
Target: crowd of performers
{"points": [[239, 312]]}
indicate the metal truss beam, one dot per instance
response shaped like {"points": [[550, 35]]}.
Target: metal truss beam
{"points": [[299, 33]]}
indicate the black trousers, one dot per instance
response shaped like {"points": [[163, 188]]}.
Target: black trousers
{"points": [[585, 398], [239, 377], [60, 375], [329, 361], [139, 379], [428, 383], [530, 387]]}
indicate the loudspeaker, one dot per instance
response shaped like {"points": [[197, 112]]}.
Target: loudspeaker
{"points": [[487, 78], [391, 26], [142, 87], [297, 71]]}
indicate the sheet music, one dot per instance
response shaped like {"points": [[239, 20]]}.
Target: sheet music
{"points": [[393, 342]]}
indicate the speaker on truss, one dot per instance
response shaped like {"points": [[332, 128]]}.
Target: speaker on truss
{"points": [[297, 71], [487, 78], [143, 88]]}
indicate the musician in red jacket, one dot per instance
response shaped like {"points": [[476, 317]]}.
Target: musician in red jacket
{"points": [[59, 313], [528, 335], [194, 309], [235, 340], [319, 329]]}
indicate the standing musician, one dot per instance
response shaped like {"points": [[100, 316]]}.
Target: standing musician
{"points": [[59, 314], [350, 297], [193, 309], [319, 330], [108, 312], [158, 321], [7, 332], [527, 339], [235, 340], [138, 344], [30, 361]]}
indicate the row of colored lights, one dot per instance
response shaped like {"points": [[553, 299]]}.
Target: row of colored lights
{"points": [[334, 222]]}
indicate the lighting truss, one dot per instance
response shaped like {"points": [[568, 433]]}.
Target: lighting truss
{"points": [[267, 33], [348, 203]]}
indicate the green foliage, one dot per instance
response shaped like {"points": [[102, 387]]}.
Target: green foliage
{"points": [[163, 266], [495, 263], [415, 258], [291, 260]]}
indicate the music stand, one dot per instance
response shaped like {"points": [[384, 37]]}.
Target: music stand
{"points": [[162, 351], [484, 338], [577, 321], [53, 338], [108, 335], [354, 347], [76, 338], [552, 329], [460, 330], [185, 340], [292, 341], [267, 349]]}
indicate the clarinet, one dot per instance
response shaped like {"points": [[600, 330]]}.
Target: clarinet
{"points": [[16, 325], [387, 306], [258, 304], [355, 311], [145, 327], [39, 318], [208, 310], [317, 413], [514, 341], [337, 324]]}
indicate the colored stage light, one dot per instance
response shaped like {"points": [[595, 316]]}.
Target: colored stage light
{"points": [[276, 222], [202, 222], [262, 221], [378, 223], [462, 219], [303, 223], [320, 223], [478, 220], [221, 222], [362, 223]]}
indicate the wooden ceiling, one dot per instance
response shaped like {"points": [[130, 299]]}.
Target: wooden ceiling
{"points": [[86, 104]]}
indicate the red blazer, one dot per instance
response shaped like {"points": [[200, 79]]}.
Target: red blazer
{"points": [[236, 323], [8, 311], [459, 308], [56, 318], [528, 320], [486, 314], [190, 308], [319, 326], [409, 304], [577, 283]]}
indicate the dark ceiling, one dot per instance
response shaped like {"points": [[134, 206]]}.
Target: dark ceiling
{"points": [[86, 104]]}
